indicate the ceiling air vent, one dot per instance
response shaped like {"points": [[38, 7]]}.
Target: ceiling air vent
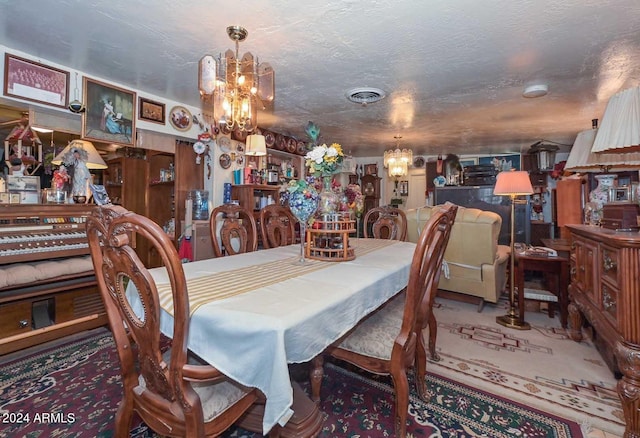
{"points": [[365, 96]]}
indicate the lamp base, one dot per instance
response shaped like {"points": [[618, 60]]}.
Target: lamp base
{"points": [[511, 321]]}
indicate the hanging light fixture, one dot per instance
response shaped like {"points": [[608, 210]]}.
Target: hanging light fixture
{"points": [[236, 86], [397, 161]]}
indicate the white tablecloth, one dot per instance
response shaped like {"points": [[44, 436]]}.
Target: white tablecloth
{"points": [[251, 337]]}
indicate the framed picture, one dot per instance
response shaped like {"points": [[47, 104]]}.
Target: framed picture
{"points": [[110, 114], [466, 162], [180, 118], [29, 197], [4, 197], [151, 111], [403, 188], [26, 183], [620, 194], [502, 162], [30, 80], [371, 169]]}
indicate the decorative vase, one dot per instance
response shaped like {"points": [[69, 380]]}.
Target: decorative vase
{"points": [[303, 206], [329, 200], [599, 196]]}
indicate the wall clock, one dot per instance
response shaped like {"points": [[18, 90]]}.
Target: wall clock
{"points": [[199, 148]]}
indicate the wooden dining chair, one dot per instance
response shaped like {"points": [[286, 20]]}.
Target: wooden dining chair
{"points": [[174, 393], [390, 340], [277, 226], [385, 222], [233, 230]]}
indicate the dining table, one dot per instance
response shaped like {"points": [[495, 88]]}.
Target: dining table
{"points": [[254, 314]]}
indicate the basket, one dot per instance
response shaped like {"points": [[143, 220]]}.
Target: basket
{"points": [[328, 240]]}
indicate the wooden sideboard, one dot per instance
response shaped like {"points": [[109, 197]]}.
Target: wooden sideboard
{"points": [[605, 289]]}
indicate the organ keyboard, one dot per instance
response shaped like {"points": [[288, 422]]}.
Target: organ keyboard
{"points": [[39, 232], [47, 284]]}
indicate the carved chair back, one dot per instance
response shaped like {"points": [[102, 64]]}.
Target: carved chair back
{"points": [[385, 223], [278, 226], [158, 382], [233, 230]]}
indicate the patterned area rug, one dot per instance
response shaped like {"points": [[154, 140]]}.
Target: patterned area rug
{"points": [[541, 368], [72, 390]]}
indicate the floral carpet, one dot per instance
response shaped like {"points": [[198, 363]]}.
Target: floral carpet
{"points": [[542, 367], [72, 390]]}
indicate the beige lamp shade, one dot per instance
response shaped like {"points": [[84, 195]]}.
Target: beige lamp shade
{"points": [[582, 159], [513, 183], [256, 145], [620, 128], [93, 161]]}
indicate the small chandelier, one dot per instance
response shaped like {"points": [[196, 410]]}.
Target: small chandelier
{"points": [[236, 86], [398, 161]]}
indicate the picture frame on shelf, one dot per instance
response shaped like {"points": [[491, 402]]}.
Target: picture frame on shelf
{"points": [[151, 111], [51, 88], [23, 183], [180, 118], [111, 113], [467, 161]]}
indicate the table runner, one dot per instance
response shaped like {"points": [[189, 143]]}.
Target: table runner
{"points": [[222, 285]]}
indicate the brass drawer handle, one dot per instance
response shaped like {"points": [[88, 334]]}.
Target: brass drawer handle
{"points": [[608, 263], [573, 270], [607, 300]]}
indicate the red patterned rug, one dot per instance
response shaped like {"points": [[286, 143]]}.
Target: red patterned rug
{"points": [[72, 390]]}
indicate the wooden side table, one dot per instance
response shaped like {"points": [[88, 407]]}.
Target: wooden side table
{"points": [[556, 265]]}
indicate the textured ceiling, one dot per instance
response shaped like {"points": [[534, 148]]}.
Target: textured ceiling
{"points": [[453, 70]]}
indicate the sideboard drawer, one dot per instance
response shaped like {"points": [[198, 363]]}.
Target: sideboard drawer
{"points": [[610, 296], [609, 262]]}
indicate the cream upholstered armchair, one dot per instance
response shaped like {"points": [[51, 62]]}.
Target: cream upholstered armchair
{"points": [[475, 265]]}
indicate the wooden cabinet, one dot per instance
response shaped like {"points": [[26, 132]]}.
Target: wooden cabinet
{"points": [[123, 179], [604, 290], [246, 195], [156, 187]]}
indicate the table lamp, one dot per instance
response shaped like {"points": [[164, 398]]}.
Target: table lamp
{"points": [[513, 183]]}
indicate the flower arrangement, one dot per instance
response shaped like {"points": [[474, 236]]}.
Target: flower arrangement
{"points": [[324, 160], [355, 199]]}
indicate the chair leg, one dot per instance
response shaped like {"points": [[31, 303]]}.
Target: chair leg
{"points": [[124, 415], [315, 375], [421, 369], [401, 386], [433, 334]]}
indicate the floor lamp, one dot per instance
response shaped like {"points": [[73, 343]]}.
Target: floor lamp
{"points": [[513, 183]]}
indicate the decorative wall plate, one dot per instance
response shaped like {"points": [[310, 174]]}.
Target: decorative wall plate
{"points": [[240, 160], [225, 161], [269, 139], [180, 118], [418, 162], [301, 148], [240, 148], [224, 143], [292, 144]]}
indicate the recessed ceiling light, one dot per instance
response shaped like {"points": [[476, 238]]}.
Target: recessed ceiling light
{"points": [[536, 90]]}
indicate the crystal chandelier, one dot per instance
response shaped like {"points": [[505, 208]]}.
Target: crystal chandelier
{"points": [[397, 161], [236, 86]]}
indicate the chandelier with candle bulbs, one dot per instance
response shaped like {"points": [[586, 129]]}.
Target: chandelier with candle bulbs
{"points": [[397, 160], [236, 87]]}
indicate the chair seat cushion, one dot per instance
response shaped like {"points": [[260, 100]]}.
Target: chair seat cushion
{"points": [[375, 335], [214, 397]]}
